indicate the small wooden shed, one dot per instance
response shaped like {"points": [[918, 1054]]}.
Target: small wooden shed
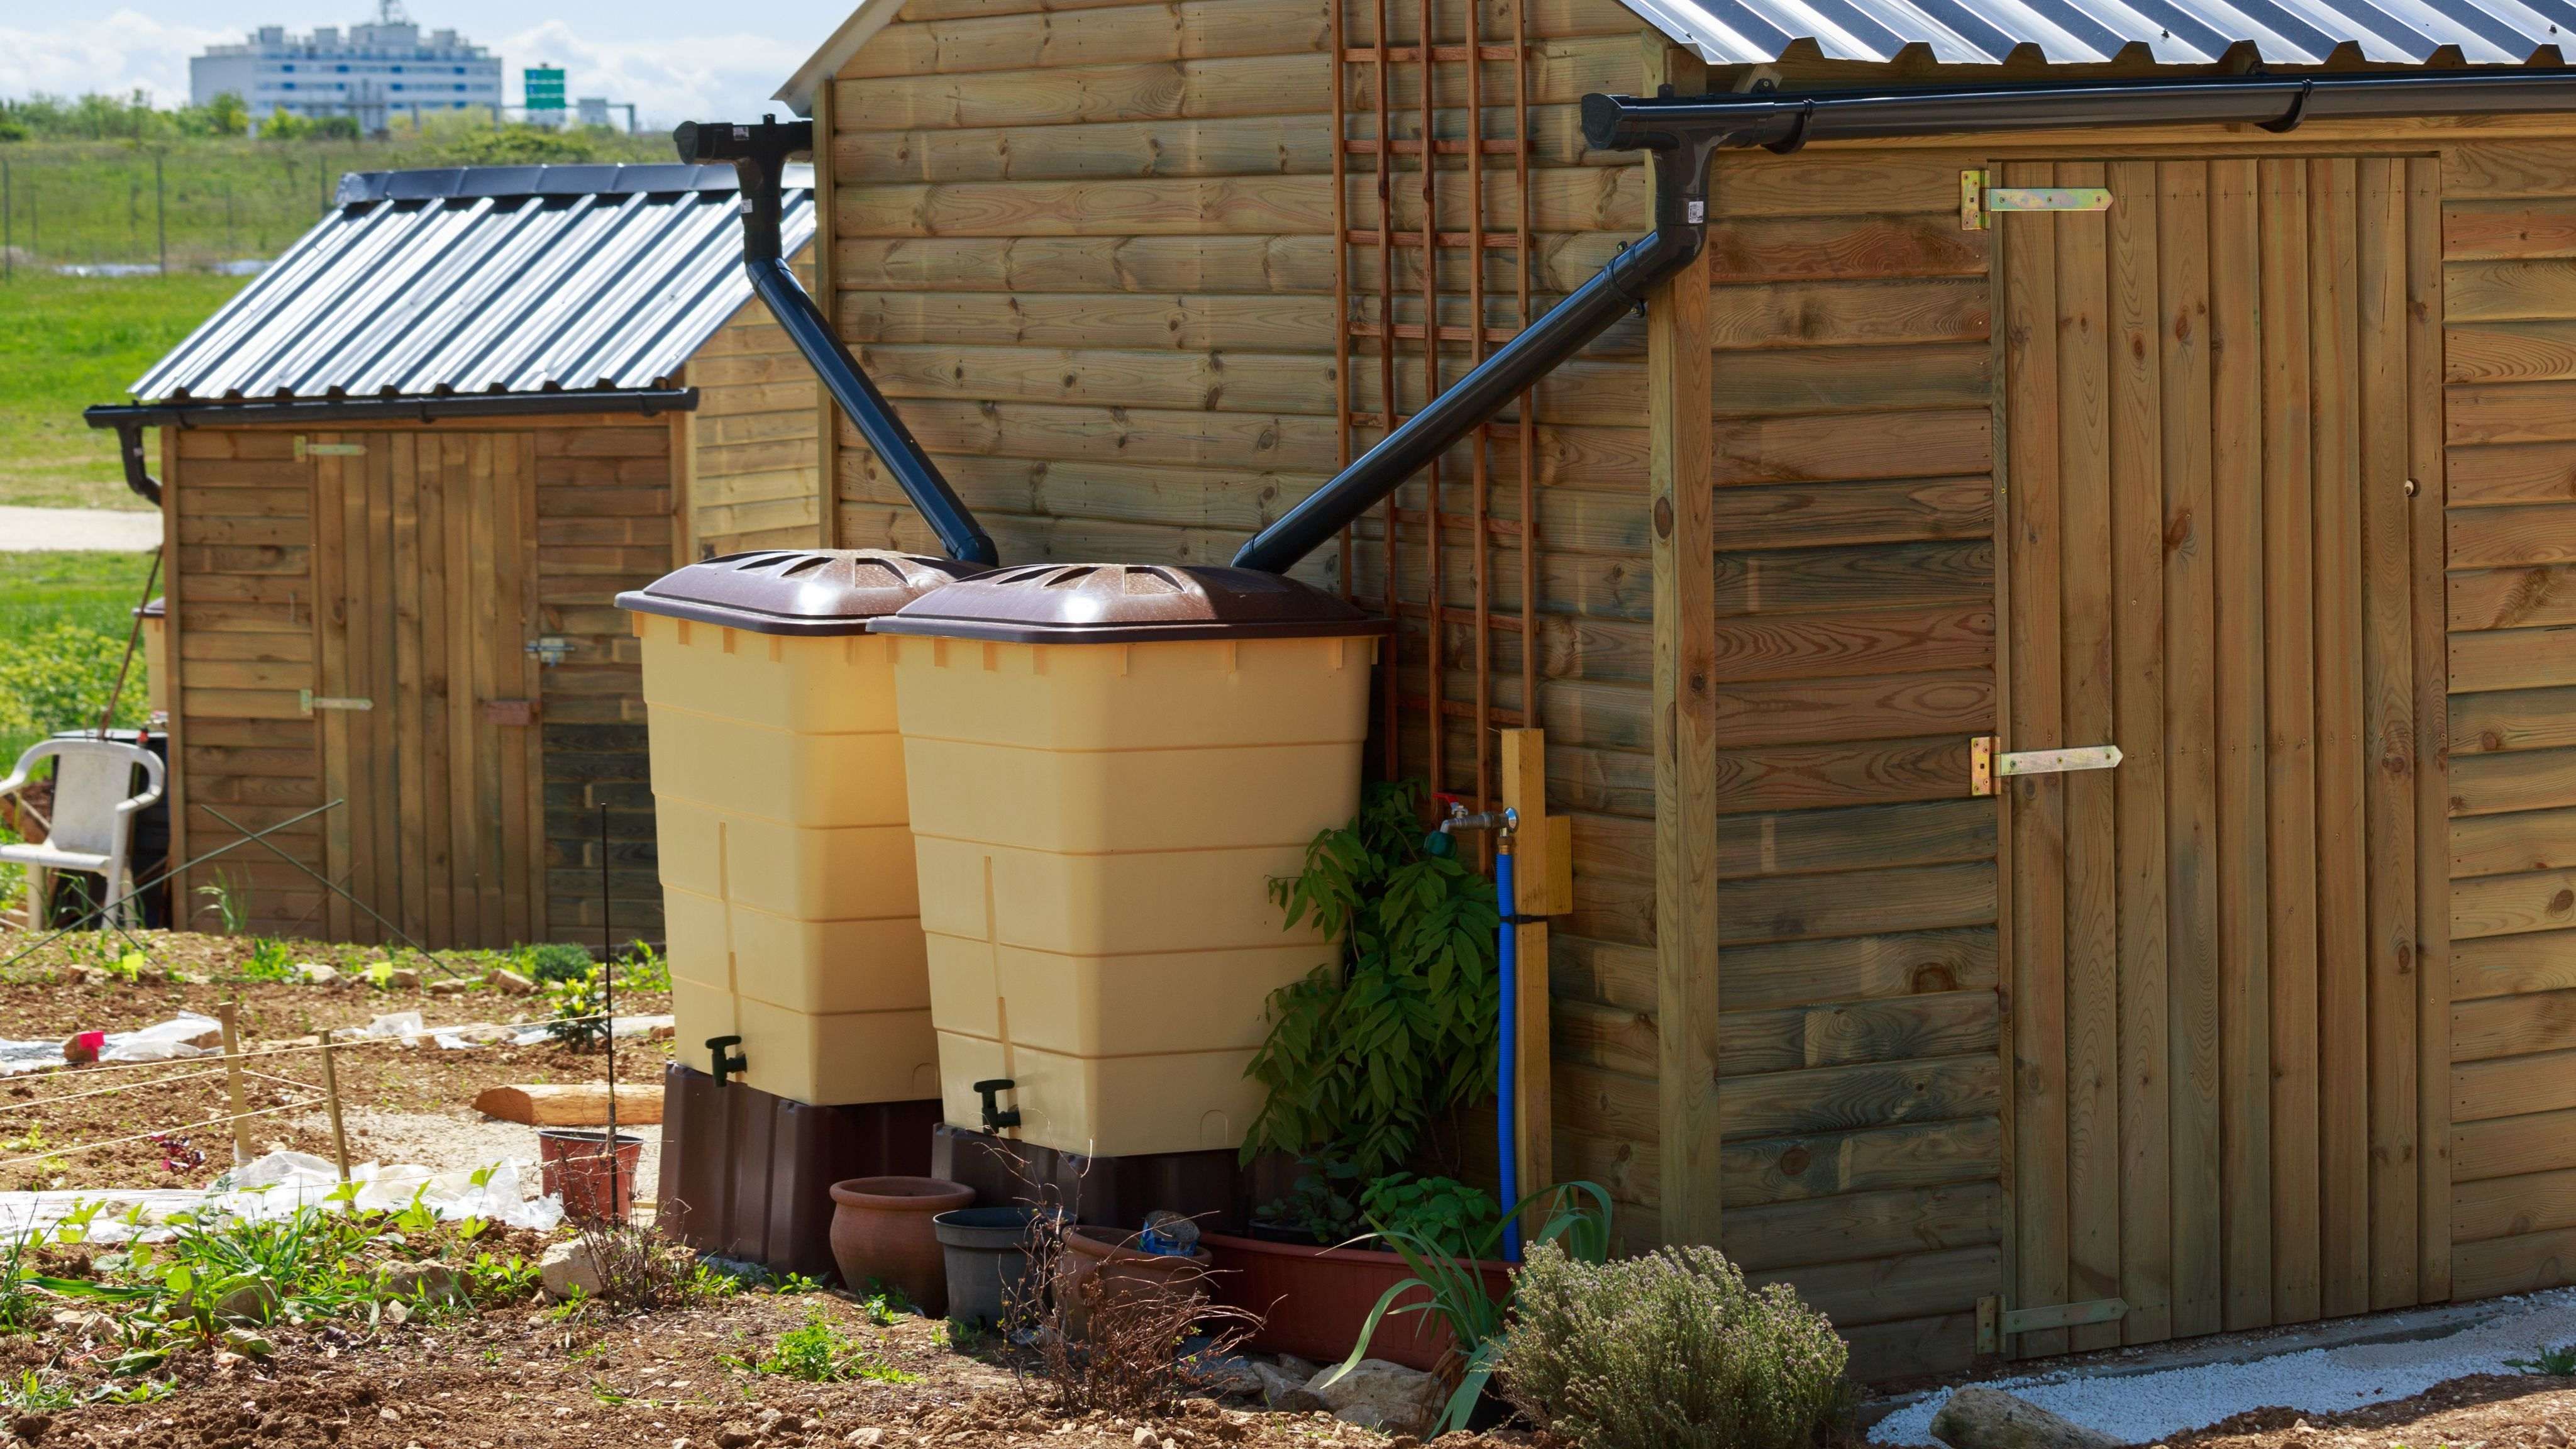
{"points": [[2266, 475], [404, 474]]}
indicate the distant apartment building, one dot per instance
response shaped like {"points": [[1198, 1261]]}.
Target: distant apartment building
{"points": [[379, 69]]}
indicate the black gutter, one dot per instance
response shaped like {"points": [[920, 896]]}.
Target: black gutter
{"points": [[1684, 132], [759, 156], [130, 419]]}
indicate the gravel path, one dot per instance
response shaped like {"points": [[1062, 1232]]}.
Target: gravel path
{"points": [[443, 1141], [61, 530]]}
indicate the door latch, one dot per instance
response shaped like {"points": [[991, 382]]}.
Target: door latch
{"points": [[1986, 763], [311, 701], [304, 450]]}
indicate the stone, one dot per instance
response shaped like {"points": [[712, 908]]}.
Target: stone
{"points": [[314, 973], [867, 1438], [31, 1427], [510, 981], [734, 1436], [403, 978], [411, 1281], [769, 1422], [1978, 1417], [80, 1049], [1304, 1372], [2553, 1436], [1231, 1374], [568, 1265], [450, 985], [1143, 1437], [1387, 1397], [250, 1303], [1283, 1391]]}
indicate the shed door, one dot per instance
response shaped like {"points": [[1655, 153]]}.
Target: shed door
{"points": [[426, 556], [2215, 396]]}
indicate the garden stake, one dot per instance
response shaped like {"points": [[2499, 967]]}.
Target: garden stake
{"points": [[233, 1081], [331, 1104]]}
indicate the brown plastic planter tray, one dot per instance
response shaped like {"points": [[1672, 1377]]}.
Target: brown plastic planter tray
{"points": [[1315, 1300], [749, 1175], [1114, 1192]]}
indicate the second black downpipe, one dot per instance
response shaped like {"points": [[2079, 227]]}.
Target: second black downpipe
{"points": [[759, 156]]}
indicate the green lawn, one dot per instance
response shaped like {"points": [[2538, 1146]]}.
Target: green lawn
{"points": [[68, 342], [63, 624]]}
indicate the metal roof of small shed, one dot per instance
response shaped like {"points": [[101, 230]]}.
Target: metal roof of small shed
{"points": [[1988, 32], [484, 280]]}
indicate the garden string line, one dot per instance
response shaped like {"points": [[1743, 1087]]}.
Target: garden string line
{"points": [[163, 1132], [96, 912]]}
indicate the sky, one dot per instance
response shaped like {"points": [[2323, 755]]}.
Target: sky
{"points": [[675, 61]]}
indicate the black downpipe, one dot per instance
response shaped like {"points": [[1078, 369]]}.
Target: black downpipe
{"points": [[1681, 226], [759, 156], [129, 446]]}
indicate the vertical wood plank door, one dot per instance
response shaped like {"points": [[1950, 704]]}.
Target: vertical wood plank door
{"points": [[425, 541], [2211, 400]]}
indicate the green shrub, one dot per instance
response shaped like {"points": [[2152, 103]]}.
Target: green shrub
{"points": [[556, 961], [1668, 1351]]}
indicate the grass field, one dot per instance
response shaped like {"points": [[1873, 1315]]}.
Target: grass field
{"points": [[64, 618], [68, 342]]}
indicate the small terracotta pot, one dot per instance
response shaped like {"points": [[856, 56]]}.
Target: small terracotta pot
{"points": [[1106, 1256], [576, 1165], [881, 1229]]}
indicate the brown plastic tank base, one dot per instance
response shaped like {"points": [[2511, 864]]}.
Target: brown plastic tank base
{"points": [[1112, 1192], [749, 1175]]}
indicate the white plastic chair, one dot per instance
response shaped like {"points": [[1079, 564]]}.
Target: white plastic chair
{"points": [[93, 818]]}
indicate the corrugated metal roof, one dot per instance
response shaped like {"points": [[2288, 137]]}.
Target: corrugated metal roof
{"points": [[2076, 32], [500, 279]]}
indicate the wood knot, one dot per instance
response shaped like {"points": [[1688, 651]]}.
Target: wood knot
{"points": [[1663, 518], [1794, 1162]]}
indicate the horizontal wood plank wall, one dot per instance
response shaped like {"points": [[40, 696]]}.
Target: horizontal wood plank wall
{"points": [[241, 645], [1861, 1084], [2509, 275], [600, 522], [757, 481]]}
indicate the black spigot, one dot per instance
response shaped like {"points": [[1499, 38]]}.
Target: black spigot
{"points": [[991, 1089], [726, 1063]]}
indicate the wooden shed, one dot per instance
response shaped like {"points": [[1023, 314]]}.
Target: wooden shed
{"points": [[404, 474], [2265, 475]]}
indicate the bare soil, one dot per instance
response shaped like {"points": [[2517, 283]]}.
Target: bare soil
{"points": [[47, 1118], [2521, 1411]]}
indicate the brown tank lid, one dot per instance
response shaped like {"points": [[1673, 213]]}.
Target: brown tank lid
{"points": [[154, 609], [1128, 604], [810, 591]]}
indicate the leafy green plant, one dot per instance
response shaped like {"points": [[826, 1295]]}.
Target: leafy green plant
{"points": [[818, 1353], [1671, 1350], [269, 960], [33, 1393], [2557, 1360], [1366, 1051], [1322, 1204], [579, 1010], [229, 902], [555, 961], [643, 969], [1452, 1287], [1441, 1211]]}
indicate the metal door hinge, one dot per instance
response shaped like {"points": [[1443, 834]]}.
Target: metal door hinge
{"points": [[1996, 1323], [312, 701], [1986, 763], [304, 450], [1979, 202]]}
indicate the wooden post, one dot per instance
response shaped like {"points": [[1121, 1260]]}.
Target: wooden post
{"points": [[226, 1014], [1680, 478], [1544, 885], [331, 1103]]}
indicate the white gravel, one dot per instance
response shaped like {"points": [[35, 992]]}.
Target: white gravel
{"points": [[74, 530], [2148, 1407]]}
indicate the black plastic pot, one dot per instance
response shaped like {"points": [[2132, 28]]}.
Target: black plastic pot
{"points": [[987, 1251]]}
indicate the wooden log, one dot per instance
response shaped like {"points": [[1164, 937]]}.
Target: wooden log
{"points": [[570, 1104]]}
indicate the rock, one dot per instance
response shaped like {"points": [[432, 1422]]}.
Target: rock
{"points": [[867, 1438], [1387, 1397], [568, 1265], [449, 985], [31, 1427], [314, 973], [1283, 1391], [2553, 1436], [250, 1303], [1977, 1417], [1303, 1371], [80, 1049], [734, 1436], [434, 1281], [1144, 1437], [504, 979], [403, 978], [1232, 1374], [770, 1422], [389, 1415]]}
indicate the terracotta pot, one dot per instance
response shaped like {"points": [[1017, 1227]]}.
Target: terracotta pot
{"points": [[1106, 1257], [881, 1230], [575, 1165], [1313, 1301]]}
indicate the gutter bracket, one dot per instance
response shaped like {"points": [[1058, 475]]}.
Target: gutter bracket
{"points": [[2298, 111], [1797, 136]]}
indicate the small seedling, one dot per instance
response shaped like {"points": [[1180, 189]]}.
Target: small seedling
{"points": [[2558, 1361], [818, 1353]]}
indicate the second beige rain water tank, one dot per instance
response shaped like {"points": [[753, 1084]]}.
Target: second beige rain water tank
{"points": [[787, 884], [1107, 766]]}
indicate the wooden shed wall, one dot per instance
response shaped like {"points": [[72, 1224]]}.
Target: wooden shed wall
{"points": [[754, 444], [2509, 248]]}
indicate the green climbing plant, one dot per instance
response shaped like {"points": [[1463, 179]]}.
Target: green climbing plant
{"points": [[1368, 1049]]}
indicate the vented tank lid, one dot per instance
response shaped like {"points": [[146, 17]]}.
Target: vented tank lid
{"points": [[1128, 604], [802, 591]]}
